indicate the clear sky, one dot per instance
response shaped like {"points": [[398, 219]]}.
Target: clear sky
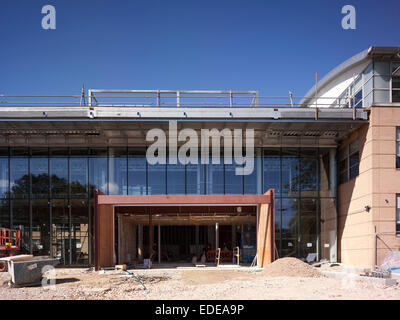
{"points": [[270, 46]]}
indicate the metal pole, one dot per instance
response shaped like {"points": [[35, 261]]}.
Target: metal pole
{"points": [[316, 96], [83, 95], [150, 235], [333, 253], [140, 241], [216, 236], [159, 244], [291, 98]]}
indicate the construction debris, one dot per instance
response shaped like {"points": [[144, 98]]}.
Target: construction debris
{"points": [[377, 273], [291, 267], [133, 275], [121, 267], [391, 262]]}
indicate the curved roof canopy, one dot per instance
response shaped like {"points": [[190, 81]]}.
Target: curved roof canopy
{"points": [[372, 52]]}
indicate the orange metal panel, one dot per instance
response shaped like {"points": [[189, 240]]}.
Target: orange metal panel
{"points": [[266, 233], [104, 219], [184, 199]]}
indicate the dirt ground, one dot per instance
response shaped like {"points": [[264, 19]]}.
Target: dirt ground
{"points": [[195, 283]]}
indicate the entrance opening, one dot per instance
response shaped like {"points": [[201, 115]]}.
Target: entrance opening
{"points": [[181, 234]]}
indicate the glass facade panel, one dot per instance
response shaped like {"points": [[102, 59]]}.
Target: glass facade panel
{"points": [[79, 232], [19, 177], [40, 181], [215, 178], [308, 227], [251, 181], [20, 220], [176, 178], [60, 234], [4, 214], [195, 178], [59, 177], [50, 187], [289, 227], [233, 182], [3, 177], [309, 175], [290, 172], [137, 177], [157, 178], [118, 175], [78, 175], [379, 82], [381, 95], [382, 68], [40, 227], [98, 174], [272, 171]]}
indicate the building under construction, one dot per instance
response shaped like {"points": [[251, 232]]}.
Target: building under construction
{"points": [[75, 179]]}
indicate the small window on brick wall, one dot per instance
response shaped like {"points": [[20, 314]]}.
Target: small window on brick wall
{"points": [[348, 162], [398, 214], [398, 147]]}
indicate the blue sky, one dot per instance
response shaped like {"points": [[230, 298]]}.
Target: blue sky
{"points": [[270, 46]]}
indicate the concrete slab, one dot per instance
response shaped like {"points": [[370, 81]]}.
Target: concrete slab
{"points": [[344, 275]]}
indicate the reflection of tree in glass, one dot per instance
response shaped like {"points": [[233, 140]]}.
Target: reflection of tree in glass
{"points": [[43, 183], [306, 176], [305, 179], [291, 229]]}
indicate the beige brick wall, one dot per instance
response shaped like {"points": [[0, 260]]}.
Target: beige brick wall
{"points": [[376, 186]]}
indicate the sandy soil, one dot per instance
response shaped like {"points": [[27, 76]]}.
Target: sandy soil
{"points": [[192, 283]]}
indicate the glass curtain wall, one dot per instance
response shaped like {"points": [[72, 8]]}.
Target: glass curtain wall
{"points": [[47, 193], [300, 177]]}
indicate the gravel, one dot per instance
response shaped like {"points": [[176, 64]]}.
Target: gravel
{"points": [[291, 267], [191, 283]]}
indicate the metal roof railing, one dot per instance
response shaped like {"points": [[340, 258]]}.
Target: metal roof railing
{"points": [[164, 98]]}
